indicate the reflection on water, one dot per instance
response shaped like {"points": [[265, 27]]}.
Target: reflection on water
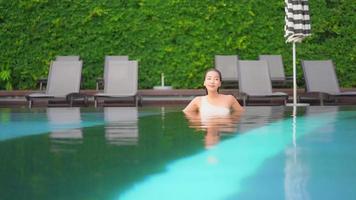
{"points": [[117, 152], [297, 170], [65, 125], [121, 125], [213, 126], [259, 116], [296, 175], [217, 126], [263, 159]]}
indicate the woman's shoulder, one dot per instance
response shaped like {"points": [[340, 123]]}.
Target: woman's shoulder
{"points": [[200, 98], [197, 99], [228, 96], [194, 105]]}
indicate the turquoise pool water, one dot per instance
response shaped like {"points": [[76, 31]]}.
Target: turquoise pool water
{"points": [[159, 153]]}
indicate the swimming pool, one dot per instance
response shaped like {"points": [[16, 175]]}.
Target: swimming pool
{"points": [[159, 153]]}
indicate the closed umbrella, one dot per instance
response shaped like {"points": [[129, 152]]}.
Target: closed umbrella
{"points": [[297, 27]]}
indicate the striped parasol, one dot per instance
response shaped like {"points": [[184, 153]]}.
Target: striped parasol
{"points": [[297, 19], [297, 27]]}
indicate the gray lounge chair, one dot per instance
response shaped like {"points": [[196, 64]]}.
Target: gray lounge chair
{"points": [[100, 81], [276, 70], [255, 82], [227, 65], [63, 83], [43, 81], [121, 125], [67, 58], [121, 81], [320, 78]]}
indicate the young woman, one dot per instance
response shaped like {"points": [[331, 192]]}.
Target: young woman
{"points": [[213, 104]]}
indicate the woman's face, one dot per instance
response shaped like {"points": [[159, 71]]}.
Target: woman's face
{"points": [[212, 81]]}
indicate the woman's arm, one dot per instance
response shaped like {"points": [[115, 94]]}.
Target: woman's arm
{"points": [[235, 105], [193, 106]]}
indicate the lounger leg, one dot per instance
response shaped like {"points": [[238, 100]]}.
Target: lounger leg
{"points": [[321, 97], [86, 101], [139, 100], [30, 104]]}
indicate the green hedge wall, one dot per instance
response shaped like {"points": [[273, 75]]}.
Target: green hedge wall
{"points": [[177, 37]]}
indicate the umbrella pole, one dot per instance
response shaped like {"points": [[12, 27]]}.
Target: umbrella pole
{"points": [[295, 103], [294, 76]]}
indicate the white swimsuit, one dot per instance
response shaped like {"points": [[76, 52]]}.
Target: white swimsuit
{"points": [[207, 110]]}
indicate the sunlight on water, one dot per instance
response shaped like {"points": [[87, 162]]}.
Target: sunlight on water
{"points": [[152, 153], [217, 173]]}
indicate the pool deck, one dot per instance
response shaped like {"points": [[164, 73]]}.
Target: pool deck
{"points": [[166, 97]]}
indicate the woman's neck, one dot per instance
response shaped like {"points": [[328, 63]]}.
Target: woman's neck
{"points": [[213, 94]]}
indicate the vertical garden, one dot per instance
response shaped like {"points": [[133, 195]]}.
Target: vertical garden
{"points": [[177, 37]]}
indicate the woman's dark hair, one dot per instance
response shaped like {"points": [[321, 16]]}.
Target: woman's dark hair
{"points": [[212, 70]]}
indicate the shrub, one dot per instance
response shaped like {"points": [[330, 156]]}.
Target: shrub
{"points": [[177, 37]]}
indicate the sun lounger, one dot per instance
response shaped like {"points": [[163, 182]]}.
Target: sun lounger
{"points": [[227, 65], [276, 70], [121, 79], [63, 83], [320, 78], [43, 81], [255, 82], [67, 58], [100, 81]]}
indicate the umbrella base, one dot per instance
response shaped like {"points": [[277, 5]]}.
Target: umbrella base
{"points": [[162, 87], [298, 104]]}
